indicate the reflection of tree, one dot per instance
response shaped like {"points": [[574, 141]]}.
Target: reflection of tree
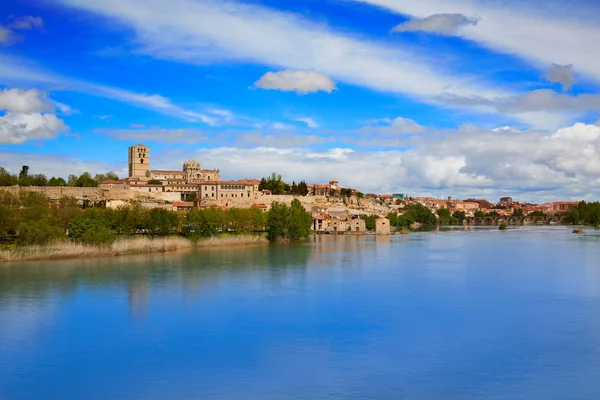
{"points": [[193, 271], [138, 295]]}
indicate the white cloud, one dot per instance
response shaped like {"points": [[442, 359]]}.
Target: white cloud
{"points": [[562, 74], [310, 122], [387, 127], [530, 165], [60, 164], [24, 101], [299, 81], [18, 128], [535, 101], [558, 32], [28, 115], [445, 24]]}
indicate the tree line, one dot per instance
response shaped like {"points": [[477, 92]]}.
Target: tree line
{"points": [[31, 218], [25, 178], [277, 186], [584, 213]]}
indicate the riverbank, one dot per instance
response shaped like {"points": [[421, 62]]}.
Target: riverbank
{"points": [[141, 245]]}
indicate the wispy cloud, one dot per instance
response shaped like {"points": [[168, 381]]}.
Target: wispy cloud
{"points": [[558, 32], [18, 71], [445, 24], [197, 32], [310, 122]]}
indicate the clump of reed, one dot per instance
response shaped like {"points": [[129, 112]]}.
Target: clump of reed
{"points": [[231, 240], [136, 245]]}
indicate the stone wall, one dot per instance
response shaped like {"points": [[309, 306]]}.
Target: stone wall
{"points": [[56, 192]]}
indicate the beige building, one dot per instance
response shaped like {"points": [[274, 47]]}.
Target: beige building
{"points": [[382, 226], [358, 225], [139, 161]]}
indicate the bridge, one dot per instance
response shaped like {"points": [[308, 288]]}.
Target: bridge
{"points": [[511, 220]]}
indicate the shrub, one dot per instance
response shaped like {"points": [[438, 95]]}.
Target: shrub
{"points": [[38, 232]]}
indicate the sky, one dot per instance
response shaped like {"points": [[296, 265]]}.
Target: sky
{"points": [[462, 98]]}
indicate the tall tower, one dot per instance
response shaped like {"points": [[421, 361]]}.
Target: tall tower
{"points": [[139, 161]]}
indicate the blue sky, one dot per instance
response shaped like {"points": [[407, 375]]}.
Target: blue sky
{"points": [[453, 97]]}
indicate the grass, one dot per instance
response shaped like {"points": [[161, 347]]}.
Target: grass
{"points": [[139, 245]]}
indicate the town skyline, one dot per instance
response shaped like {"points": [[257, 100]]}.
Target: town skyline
{"points": [[388, 96]]}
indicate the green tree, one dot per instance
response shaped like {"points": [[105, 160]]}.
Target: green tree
{"points": [[38, 180], [6, 179], [459, 216], [445, 216], [517, 212], [38, 232], [162, 222], [86, 180], [369, 221], [72, 180], [91, 230], [57, 182], [277, 222], [299, 221], [275, 184], [419, 213]]}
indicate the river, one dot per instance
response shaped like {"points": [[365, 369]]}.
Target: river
{"points": [[459, 314]]}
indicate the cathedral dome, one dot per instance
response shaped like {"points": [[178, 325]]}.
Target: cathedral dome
{"points": [[191, 164]]}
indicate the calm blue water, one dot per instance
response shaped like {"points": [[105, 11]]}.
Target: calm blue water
{"points": [[450, 315]]}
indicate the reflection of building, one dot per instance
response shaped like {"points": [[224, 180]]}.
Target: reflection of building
{"points": [[138, 294]]}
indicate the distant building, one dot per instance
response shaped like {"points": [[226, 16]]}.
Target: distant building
{"points": [[139, 161], [382, 226], [358, 225], [507, 201], [399, 195]]}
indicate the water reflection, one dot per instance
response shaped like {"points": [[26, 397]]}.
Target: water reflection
{"points": [[452, 314]]}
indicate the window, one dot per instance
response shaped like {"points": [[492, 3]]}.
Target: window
{"points": [[142, 161]]}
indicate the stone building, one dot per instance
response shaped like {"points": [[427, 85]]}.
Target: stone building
{"points": [[139, 161], [358, 225], [382, 226]]}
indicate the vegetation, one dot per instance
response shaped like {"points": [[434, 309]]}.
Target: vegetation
{"points": [[30, 218], [447, 218], [274, 183], [285, 222], [24, 178], [584, 213], [400, 221], [502, 226], [419, 213]]}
